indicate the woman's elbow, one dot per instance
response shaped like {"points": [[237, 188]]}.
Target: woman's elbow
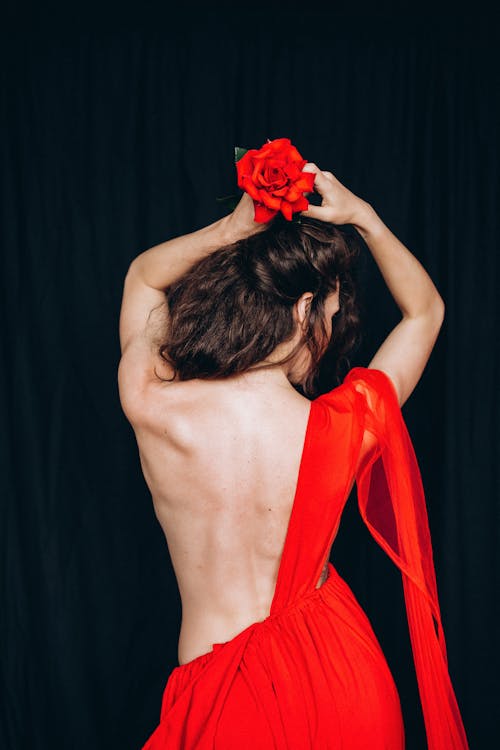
{"points": [[437, 309]]}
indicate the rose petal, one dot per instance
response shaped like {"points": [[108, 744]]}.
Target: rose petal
{"points": [[311, 176], [301, 205], [249, 187], [269, 200], [293, 155], [293, 194], [245, 163], [275, 165], [306, 182], [293, 171], [244, 167], [280, 192], [257, 169], [280, 144], [264, 152], [273, 176], [276, 161], [263, 214], [286, 209]]}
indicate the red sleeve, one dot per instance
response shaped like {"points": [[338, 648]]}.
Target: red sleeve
{"points": [[392, 504]]}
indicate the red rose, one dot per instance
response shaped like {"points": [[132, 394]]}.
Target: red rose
{"points": [[273, 177]]}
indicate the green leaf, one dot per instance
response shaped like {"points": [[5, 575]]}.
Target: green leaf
{"points": [[239, 152]]}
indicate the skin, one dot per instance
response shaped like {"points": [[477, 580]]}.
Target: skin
{"points": [[219, 458]]}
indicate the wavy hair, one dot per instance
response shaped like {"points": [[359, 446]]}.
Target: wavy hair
{"points": [[232, 308]]}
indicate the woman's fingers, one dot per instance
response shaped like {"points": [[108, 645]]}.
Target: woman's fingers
{"points": [[338, 204], [322, 184], [310, 166], [321, 181], [315, 212]]}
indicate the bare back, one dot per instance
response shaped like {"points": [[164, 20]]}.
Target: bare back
{"points": [[221, 460]]}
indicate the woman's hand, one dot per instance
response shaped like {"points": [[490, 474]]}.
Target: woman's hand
{"points": [[339, 204], [240, 223]]}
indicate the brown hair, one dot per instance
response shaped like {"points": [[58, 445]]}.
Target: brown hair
{"points": [[233, 307]]}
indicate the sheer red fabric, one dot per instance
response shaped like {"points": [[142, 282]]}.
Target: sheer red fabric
{"points": [[312, 674], [392, 504]]}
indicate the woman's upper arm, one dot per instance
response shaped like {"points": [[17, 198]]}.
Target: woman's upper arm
{"points": [[142, 318], [138, 300], [405, 352]]}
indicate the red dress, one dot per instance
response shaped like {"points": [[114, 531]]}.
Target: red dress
{"points": [[312, 674]]}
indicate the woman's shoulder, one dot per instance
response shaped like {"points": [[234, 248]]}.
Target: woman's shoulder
{"points": [[367, 399]]}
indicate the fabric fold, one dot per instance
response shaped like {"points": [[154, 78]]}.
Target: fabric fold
{"points": [[392, 504]]}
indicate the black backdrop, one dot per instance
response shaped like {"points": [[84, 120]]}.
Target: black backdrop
{"points": [[117, 133]]}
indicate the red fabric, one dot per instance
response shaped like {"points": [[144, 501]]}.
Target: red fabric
{"points": [[312, 674], [392, 503]]}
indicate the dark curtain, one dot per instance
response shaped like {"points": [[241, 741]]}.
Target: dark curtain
{"points": [[118, 135]]}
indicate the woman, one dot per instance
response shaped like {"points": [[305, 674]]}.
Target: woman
{"points": [[249, 477]]}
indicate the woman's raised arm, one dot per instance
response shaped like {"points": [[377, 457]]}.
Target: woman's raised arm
{"points": [[406, 350], [153, 270], [149, 274]]}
